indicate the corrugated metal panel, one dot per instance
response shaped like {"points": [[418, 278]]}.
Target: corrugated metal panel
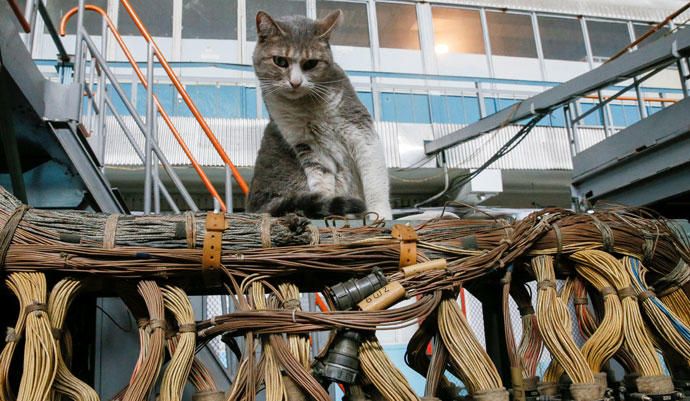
{"points": [[545, 148], [642, 10]]}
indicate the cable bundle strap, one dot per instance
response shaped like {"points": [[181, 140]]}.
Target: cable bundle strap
{"points": [[606, 233], [8, 230], [213, 240], [110, 231]]}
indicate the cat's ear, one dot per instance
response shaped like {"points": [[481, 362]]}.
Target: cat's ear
{"points": [[266, 26], [327, 24]]}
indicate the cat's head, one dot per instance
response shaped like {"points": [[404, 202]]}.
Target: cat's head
{"points": [[293, 57]]}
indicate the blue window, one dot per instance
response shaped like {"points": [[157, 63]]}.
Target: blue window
{"points": [[653, 109], [117, 102], [249, 103], [367, 100], [405, 108], [594, 118], [454, 109], [624, 115]]}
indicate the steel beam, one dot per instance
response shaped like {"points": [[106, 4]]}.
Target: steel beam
{"points": [[658, 53], [648, 161]]}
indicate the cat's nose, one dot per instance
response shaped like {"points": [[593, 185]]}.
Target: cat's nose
{"points": [[295, 83]]}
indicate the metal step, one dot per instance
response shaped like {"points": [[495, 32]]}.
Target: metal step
{"points": [[640, 165], [55, 163]]}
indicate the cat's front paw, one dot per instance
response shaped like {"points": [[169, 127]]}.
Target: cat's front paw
{"points": [[342, 205]]}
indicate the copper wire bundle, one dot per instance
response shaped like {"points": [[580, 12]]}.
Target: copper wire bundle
{"points": [[471, 361], [552, 315], [605, 341], [152, 341], [382, 373], [180, 364], [273, 380], [61, 296], [13, 336]]}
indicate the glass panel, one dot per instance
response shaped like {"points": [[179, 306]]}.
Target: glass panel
{"points": [[607, 38], [156, 16], [275, 8], [398, 27], [405, 108], [641, 29], [511, 35], [209, 19], [561, 39], [367, 100], [354, 30], [457, 30], [92, 21]]}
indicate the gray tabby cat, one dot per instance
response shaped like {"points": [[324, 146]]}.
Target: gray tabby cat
{"points": [[320, 154]]}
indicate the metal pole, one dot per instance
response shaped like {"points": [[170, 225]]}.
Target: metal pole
{"points": [[576, 134], [140, 123], [100, 129], [79, 53], [640, 101], [156, 169], [602, 114], [228, 189], [138, 151], [148, 144]]}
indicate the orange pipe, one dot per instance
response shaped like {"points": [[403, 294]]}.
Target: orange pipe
{"points": [[207, 183], [20, 16], [632, 98], [185, 96]]}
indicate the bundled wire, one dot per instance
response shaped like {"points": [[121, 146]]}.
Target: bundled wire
{"points": [[673, 290], [299, 343], [175, 376], [605, 341], [275, 388], [387, 379], [13, 337], [531, 344], [555, 323], [471, 361], [152, 341], [555, 370], [636, 336], [59, 302], [40, 349], [669, 326]]}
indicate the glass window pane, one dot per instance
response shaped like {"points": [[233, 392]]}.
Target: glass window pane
{"points": [[209, 19], [561, 39], [398, 27], [275, 8], [92, 21], [642, 29], [607, 38], [457, 30], [354, 30], [156, 16], [511, 35]]}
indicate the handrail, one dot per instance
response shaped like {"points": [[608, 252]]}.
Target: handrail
{"points": [[185, 96], [168, 121], [20, 16]]}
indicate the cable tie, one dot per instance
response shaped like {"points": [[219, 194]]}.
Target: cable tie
{"points": [[294, 320], [187, 328], [627, 292], [546, 284], [35, 307], [644, 295], [606, 291], [156, 324], [580, 301], [292, 304], [606, 234]]}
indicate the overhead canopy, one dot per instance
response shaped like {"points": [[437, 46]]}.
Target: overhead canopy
{"points": [[638, 10]]}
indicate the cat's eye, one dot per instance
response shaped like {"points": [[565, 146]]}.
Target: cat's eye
{"points": [[281, 62], [309, 64]]}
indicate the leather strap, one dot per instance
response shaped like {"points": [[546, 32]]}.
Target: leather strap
{"points": [[408, 243], [213, 240]]}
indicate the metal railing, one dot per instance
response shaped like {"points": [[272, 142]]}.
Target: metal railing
{"points": [[98, 102]]}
